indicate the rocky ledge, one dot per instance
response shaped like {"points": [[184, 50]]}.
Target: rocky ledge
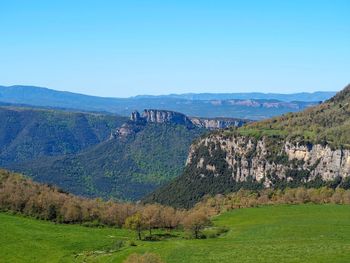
{"points": [[165, 116], [267, 162]]}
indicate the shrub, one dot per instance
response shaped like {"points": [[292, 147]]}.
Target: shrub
{"points": [[118, 245]]}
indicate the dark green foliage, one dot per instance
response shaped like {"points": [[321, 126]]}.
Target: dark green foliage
{"points": [[27, 134], [73, 150], [119, 244], [214, 232], [186, 190], [345, 183], [122, 168]]}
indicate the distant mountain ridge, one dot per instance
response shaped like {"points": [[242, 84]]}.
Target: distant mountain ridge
{"points": [[300, 96], [253, 106]]}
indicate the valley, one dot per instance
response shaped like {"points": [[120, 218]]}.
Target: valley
{"points": [[81, 153], [174, 131]]}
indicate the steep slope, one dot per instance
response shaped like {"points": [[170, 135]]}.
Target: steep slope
{"points": [[127, 166], [309, 148], [100, 155], [27, 134], [240, 105]]}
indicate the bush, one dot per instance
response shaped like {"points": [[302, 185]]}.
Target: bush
{"points": [[118, 245], [132, 243], [214, 232], [94, 223], [151, 238]]}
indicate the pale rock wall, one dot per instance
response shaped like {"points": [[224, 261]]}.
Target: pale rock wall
{"points": [[250, 157]]}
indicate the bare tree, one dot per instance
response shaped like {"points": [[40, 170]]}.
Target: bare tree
{"points": [[195, 221]]}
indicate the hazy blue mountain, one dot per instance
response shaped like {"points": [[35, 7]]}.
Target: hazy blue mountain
{"points": [[254, 106], [301, 96]]}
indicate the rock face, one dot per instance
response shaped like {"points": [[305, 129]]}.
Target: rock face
{"points": [[218, 123], [310, 149], [138, 121], [164, 116], [267, 162], [125, 130], [135, 116]]}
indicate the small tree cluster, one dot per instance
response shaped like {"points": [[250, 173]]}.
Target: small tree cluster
{"points": [[195, 221]]}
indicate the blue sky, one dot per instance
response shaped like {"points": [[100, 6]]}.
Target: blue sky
{"points": [[125, 48]]}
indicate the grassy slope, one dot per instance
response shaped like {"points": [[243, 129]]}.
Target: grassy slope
{"points": [[306, 233], [326, 123]]}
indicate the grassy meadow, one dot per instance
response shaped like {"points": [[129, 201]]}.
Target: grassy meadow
{"points": [[285, 233]]}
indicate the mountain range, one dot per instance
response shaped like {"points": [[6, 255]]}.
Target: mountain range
{"points": [[301, 96], [254, 106], [80, 144]]}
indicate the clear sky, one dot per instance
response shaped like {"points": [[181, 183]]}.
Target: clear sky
{"points": [[124, 48]]}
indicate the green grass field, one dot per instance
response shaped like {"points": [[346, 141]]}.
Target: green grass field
{"points": [[296, 233]]}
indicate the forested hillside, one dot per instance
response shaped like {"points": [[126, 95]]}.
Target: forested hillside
{"points": [[124, 167], [328, 123], [82, 153], [310, 148], [27, 133]]}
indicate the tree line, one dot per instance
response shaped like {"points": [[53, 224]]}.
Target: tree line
{"points": [[21, 195], [253, 198]]}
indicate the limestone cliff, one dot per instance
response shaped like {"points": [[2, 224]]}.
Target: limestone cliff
{"points": [[309, 148], [165, 116], [267, 162], [218, 123]]}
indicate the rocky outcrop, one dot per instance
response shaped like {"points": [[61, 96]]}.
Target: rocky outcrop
{"points": [[218, 123], [138, 121], [125, 130], [267, 162], [160, 116], [164, 116], [136, 116]]}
